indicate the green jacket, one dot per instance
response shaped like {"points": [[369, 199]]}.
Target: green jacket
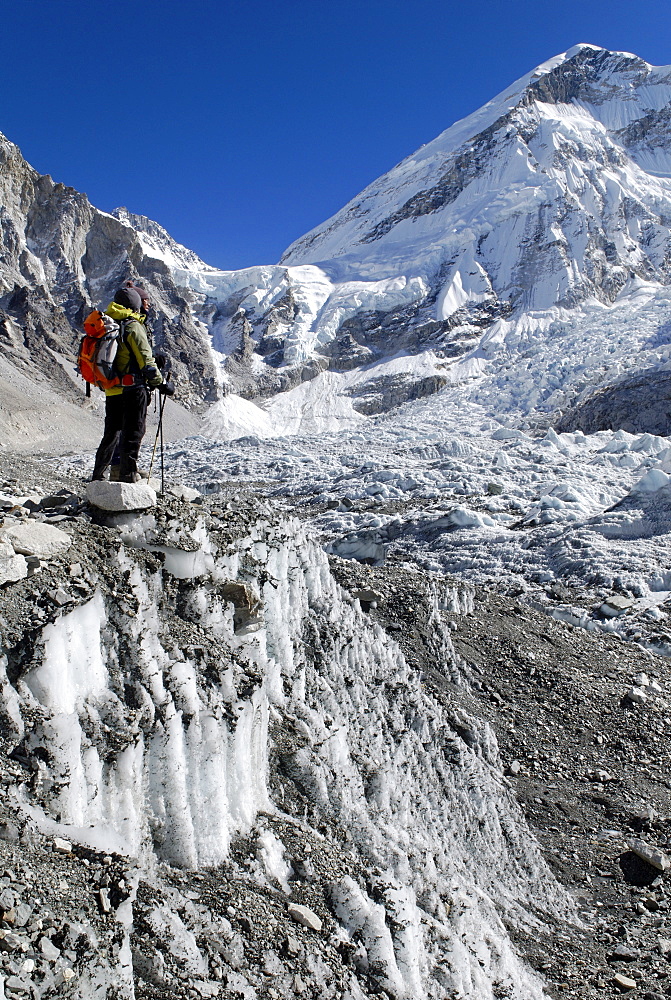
{"points": [[134, 354]]}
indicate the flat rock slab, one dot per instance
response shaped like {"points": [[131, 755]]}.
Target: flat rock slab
{"points": [[656, 858], [33, 538], [305, 916], [186, 493], [13, 567], [616, 605], [118, 497]]}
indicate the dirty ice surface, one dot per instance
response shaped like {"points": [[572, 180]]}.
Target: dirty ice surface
{"points": [[414, 780]]}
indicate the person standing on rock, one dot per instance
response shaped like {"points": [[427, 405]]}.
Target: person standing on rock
{"points": [[126, 404]]}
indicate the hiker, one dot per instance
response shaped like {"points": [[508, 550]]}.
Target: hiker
{"points": [[126, 404]]}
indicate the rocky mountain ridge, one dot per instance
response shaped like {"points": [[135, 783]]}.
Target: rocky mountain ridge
{"points": [[554, 194], [59, 257]]}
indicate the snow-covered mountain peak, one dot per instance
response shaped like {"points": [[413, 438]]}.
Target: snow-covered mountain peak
{"points": [[615, 89], [159, 244], [554, 196]]}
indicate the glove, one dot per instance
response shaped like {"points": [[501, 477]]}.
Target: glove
{"points": [[161, 361], [166, 389], [151, 376]]}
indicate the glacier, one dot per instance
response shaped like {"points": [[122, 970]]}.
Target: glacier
{"points": [[163, 696], [456, 385]]}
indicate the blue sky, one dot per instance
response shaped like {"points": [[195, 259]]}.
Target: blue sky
{"points": [[240, 126]]}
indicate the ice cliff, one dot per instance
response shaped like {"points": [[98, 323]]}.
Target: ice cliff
{"points": [[204, 697]]}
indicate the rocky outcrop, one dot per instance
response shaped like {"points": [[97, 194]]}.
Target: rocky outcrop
{"points": [[636, 405], [388, 391], [59, 257]]}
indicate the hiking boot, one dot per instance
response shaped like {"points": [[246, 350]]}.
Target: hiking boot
{"points": [[115, 474], [132, 477]]}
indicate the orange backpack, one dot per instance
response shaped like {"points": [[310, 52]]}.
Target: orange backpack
{"points": [[97, 351]]}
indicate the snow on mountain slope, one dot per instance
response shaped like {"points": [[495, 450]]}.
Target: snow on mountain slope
{"points": [[551, 201], [544, 139], [158, 243]]}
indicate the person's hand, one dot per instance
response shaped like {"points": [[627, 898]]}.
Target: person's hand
{"points": [[166, 389]]}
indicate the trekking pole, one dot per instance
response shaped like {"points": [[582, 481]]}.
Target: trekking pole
{"points": [[160, 427], [159, 430]]}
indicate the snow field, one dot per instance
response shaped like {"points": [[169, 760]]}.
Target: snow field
{"points": [[462, 479]]}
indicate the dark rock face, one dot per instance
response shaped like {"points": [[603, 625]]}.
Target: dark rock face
{"points": [[32, 329], [60, 257], [636, 405], [369, 336], [463, 169], [282, 314], [652, 130], [582, 77], [384, 393]]}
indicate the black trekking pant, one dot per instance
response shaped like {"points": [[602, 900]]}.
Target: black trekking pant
{"points": [[125, 424]]}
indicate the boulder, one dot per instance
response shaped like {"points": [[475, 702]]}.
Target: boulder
{"points": [[119, 497], [615, 605], [34, 538], [13, 567], [656, 858], [664, 947]]}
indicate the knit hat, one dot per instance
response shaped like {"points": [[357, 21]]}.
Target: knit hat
{"points": [[144, 295], [132, 296]]}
